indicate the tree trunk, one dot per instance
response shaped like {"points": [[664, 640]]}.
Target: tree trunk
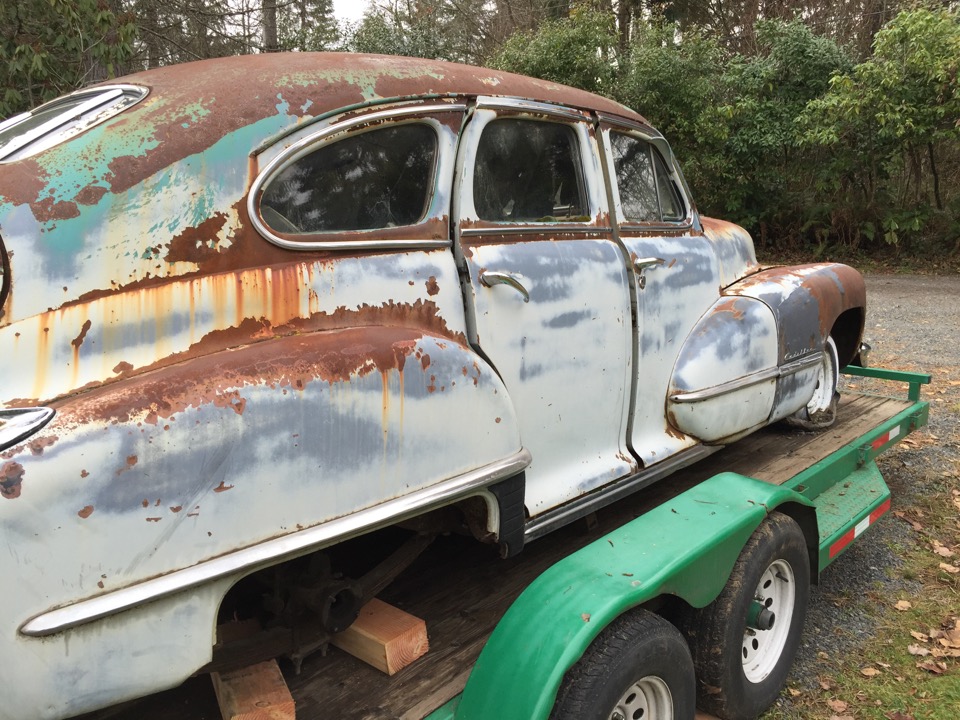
{"points": [[270, 43], [936, 177]]}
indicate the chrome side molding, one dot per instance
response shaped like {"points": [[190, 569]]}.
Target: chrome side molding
{"points": [[286, 547]]}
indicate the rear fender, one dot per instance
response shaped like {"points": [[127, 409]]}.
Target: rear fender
{"points": [[185, 466]]}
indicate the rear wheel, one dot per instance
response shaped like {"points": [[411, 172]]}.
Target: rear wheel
{"points": [[638, 667], [821, 411], [744, 642]]}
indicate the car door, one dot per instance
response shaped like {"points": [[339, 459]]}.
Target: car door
{"points": [[674, 272], [547, 290]]}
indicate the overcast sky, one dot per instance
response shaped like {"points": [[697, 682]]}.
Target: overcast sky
{"points": [[349, 9]]}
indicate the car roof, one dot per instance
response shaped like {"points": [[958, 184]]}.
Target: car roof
{"points": [[332, 81]]}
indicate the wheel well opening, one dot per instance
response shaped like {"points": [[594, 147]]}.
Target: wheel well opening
{"points": [[846, 333]]}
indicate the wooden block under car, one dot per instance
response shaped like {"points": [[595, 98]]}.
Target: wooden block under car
{"points": [[385, 637], [257, 692]]}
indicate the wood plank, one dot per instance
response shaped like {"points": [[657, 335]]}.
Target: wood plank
{"points": [[384, 637], [257, 692]]}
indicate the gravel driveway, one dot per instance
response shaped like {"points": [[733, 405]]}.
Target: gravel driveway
{"points": [[913, 323]]}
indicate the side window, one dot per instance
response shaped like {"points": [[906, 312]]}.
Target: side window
{"points": [[375, 179], [646, 191], [528, 171]]}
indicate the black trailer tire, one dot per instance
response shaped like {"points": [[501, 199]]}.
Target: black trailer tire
{"points": [[741, 670], [639, 666]]}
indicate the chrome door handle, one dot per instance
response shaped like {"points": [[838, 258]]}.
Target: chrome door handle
{"points": [[489, 278], [640, 266]]}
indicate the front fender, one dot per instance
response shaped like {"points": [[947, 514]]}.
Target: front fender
{"points": [[806, 301], [249, 448]]}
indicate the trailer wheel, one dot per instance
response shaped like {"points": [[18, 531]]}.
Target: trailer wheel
{"points": [[744, 642], [638, 667], [821, 411]]}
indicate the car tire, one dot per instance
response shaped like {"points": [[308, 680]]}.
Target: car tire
{"points": [[741, 669], [639, 666], [821, 411]]}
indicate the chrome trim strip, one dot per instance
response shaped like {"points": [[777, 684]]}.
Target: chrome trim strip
{"points": [[281, 548], [19, 424], [804, 363], [807, 361], [544, 228], [650, 132], [591, 502], [487, 102], [360, 244], [105, 94], [301, 146]]}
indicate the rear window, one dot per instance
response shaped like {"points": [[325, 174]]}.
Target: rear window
{"points": [[380, 178], [31, 132]]}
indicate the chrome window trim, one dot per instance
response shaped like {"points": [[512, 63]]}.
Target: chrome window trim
{"points": [[105, 95], [541, 229], [613, 123], [487, 102], [469, 142], [278, 549], [795, 366], [304, 146]]}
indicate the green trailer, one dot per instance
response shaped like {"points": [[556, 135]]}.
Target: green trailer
{"points": [[723, 568], [691, 592]]}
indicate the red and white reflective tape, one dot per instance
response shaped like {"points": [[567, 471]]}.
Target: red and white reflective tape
{"points": [[857, 530], [885, 438]]}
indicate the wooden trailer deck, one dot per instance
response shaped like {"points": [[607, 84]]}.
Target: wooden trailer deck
{"points": [[461, 588]]}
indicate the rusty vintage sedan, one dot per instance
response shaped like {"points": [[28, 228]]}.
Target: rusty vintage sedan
{"points": [[255, 308]]}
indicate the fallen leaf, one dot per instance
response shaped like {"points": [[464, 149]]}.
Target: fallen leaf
{"points": [[884, 665], [827, 685], [585, 617], [794, 692], [897, 715], [918, 650], [937, 668], [870, 672], [947, 567], [841, 717], [837, 705], [922, 637], [903, 605], [943, 551]]}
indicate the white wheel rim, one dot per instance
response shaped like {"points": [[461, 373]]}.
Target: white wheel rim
{"points": [[762, 648], [827, 377], [648, 699]]}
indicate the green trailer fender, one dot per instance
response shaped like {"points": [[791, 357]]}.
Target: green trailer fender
{"points": [[684, 547]]}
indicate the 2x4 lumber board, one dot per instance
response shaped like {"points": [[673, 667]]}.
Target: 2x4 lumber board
{"points": [[384, 637], [257, 692]]}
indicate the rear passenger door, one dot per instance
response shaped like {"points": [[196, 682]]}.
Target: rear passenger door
{"points": [[547, 290]]}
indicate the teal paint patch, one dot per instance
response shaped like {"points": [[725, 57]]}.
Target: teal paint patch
{"points": [[364, 80], [686, 547], [147, 215]]}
